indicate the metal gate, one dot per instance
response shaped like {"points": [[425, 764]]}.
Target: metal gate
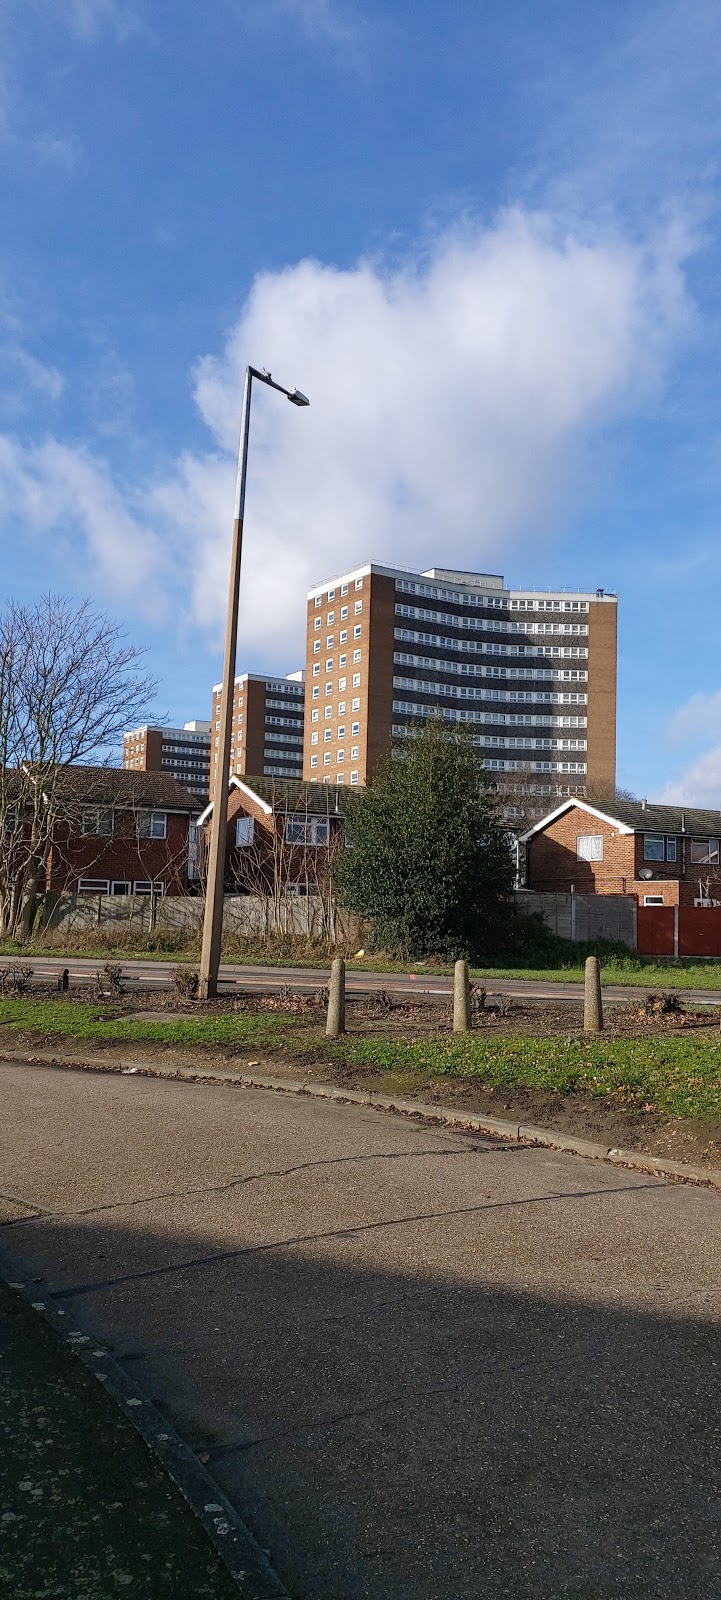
{"points": [[655, 930]]}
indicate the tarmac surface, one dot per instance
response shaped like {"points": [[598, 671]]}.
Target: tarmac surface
{"points": [[423, 1365], [237, 979]]}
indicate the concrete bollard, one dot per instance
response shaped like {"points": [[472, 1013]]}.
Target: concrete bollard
{"points": [[336, 999], [461, 999], [592, 1002]]}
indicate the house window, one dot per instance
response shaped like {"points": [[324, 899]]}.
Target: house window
{"points": [[653, 847], [354, 752], [316, 647], [355, 705], [307, 830], [329, 641], [99, 822], [316, 670], [341, 732], [355, 727], [341, 684], [330, 619], [344, 588], [356, 655], [144, 886], [343, 613], [357, 632], [331, 594], [329, 688], [340, 757], [328, 713], [317, 621], [358, 606], [342, 661], [326, 759], [314, 738], [327, 735], [93, 886], [704, 852], [121, 886], [151, 824], [329, 664], [589, 847], [314, 761], [244, 831], [359, 583], [319, 602], [314, 715], [356, 680], [670, 849], [341, 708], [354, 777], [316, 691], [343, 635], [653, 899]]}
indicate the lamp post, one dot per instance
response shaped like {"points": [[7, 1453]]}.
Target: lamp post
{"points": [[213, 917]]}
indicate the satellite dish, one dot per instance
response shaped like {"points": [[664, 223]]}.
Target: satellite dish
{"points": [[645, 873]]}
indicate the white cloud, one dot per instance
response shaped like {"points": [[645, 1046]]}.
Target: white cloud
{"points": [[62, 495], [698, 720], [23, 377], [330, 22], [699, 785], [87, 17], [451, 400]]}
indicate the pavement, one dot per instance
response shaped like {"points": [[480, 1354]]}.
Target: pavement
{"points": [[423, 1365], [237, 979], [85, 1509]]}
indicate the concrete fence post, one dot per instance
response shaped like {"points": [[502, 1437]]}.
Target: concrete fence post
{"points": [[461, 998], [336, 999], [592, 1002]]}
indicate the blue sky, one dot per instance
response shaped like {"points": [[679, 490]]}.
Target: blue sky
{"points": [[483, 238]]}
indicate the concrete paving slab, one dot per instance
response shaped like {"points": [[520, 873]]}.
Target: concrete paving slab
{"points": [[423, 1364]]}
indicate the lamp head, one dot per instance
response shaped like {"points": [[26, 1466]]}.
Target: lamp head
{"points": [[297, 398]]}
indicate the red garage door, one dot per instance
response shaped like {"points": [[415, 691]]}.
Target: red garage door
{"points": [[699, 931], [655, 930]]}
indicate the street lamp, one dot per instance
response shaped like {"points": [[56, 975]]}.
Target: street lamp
{"points": [[213, 917]]}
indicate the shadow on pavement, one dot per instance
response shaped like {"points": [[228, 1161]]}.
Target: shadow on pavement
{"points": [[394, 1435]]}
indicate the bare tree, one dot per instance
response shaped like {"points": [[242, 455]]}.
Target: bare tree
{"points": [[69, 684]]}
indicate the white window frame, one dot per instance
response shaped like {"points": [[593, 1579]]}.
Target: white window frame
{"points": [[711, 858], [157, 824], [93, 817], [592, 844], [244, 831], [149, 886], [653, 899], [359, 583], [93, 886], [356, 680]]}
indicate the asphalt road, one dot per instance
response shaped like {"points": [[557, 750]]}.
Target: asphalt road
{"points": [[235, 979], [424, 1365]]}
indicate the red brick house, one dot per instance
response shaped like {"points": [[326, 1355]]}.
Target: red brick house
{"points": [[120, 832], [664, 855], [282, 835]]}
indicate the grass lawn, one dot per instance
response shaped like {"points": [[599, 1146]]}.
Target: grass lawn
{"points": [[679, 1074]]}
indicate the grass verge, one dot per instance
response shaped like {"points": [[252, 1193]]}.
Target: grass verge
{"points": [[679, 1075]]}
